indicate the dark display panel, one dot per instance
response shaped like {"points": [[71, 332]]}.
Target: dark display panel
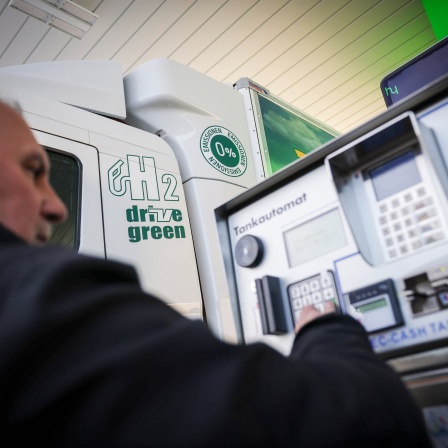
{"points": [[420, 71]]}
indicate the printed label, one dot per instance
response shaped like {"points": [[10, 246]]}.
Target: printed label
{"points": [[138, 177], [223, 151]]}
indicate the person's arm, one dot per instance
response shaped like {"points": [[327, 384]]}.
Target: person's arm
{"points": [[358, 392], [91, 360], [310, 313]]}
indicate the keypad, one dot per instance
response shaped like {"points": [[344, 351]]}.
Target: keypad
{"points": [[315, 291], [409, 221]]}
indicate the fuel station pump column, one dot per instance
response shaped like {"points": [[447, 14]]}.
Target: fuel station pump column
{"points": [[361, 222], [204, 122]]}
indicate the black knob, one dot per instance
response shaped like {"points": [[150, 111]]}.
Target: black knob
{"points": [[248, 251]]}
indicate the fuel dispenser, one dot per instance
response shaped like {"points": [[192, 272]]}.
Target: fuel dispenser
{"points": [[362, 222]]}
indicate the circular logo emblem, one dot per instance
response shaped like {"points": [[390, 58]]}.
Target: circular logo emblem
{"points": [[223, 151]]}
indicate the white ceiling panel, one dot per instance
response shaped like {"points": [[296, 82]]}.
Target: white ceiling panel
{"points": [[184, 27], [123, 29], [151, 31], [239, 30], [369, 67], [109, 11], [307, 36], [353, 41], [349, 23], [326, 57], [361, 85], [11, 22], [230, 65], [52, 43], [24, 42], [223, 17], [279, 41]]}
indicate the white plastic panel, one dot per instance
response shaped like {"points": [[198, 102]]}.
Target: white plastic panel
{"points": [[203, 196], [93, 85], [180, 105], [204, 123], [146, 217]]}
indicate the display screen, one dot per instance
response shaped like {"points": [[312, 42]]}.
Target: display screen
{"points": [[417, 73], [372, 305], [314, 238], [288, 136], [395, 176]]}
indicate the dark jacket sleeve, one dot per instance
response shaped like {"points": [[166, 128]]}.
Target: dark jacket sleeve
{"points": [[89, 360]]}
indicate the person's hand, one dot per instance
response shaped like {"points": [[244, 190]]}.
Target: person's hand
{"points": [[309, 313]]}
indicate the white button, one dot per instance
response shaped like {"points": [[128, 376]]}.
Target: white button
{"points": [[392, 253], [433, 238], [305, 288], [412, 233], [427, 214], [317, 297], [314, 285], [329, 294], [426, 228], [419, 204], [325, 281], [421, 191], [307, 300]]}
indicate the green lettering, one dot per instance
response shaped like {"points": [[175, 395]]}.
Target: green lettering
{"points": [[156, 232], [177, 215], [179, 231], [151, 214], [143, 212], [145, 231], [132, 214], [168, 232], [134, 234]]}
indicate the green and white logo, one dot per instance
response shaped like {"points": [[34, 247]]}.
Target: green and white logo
{"points": [[223, 151], [138, 177]]}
